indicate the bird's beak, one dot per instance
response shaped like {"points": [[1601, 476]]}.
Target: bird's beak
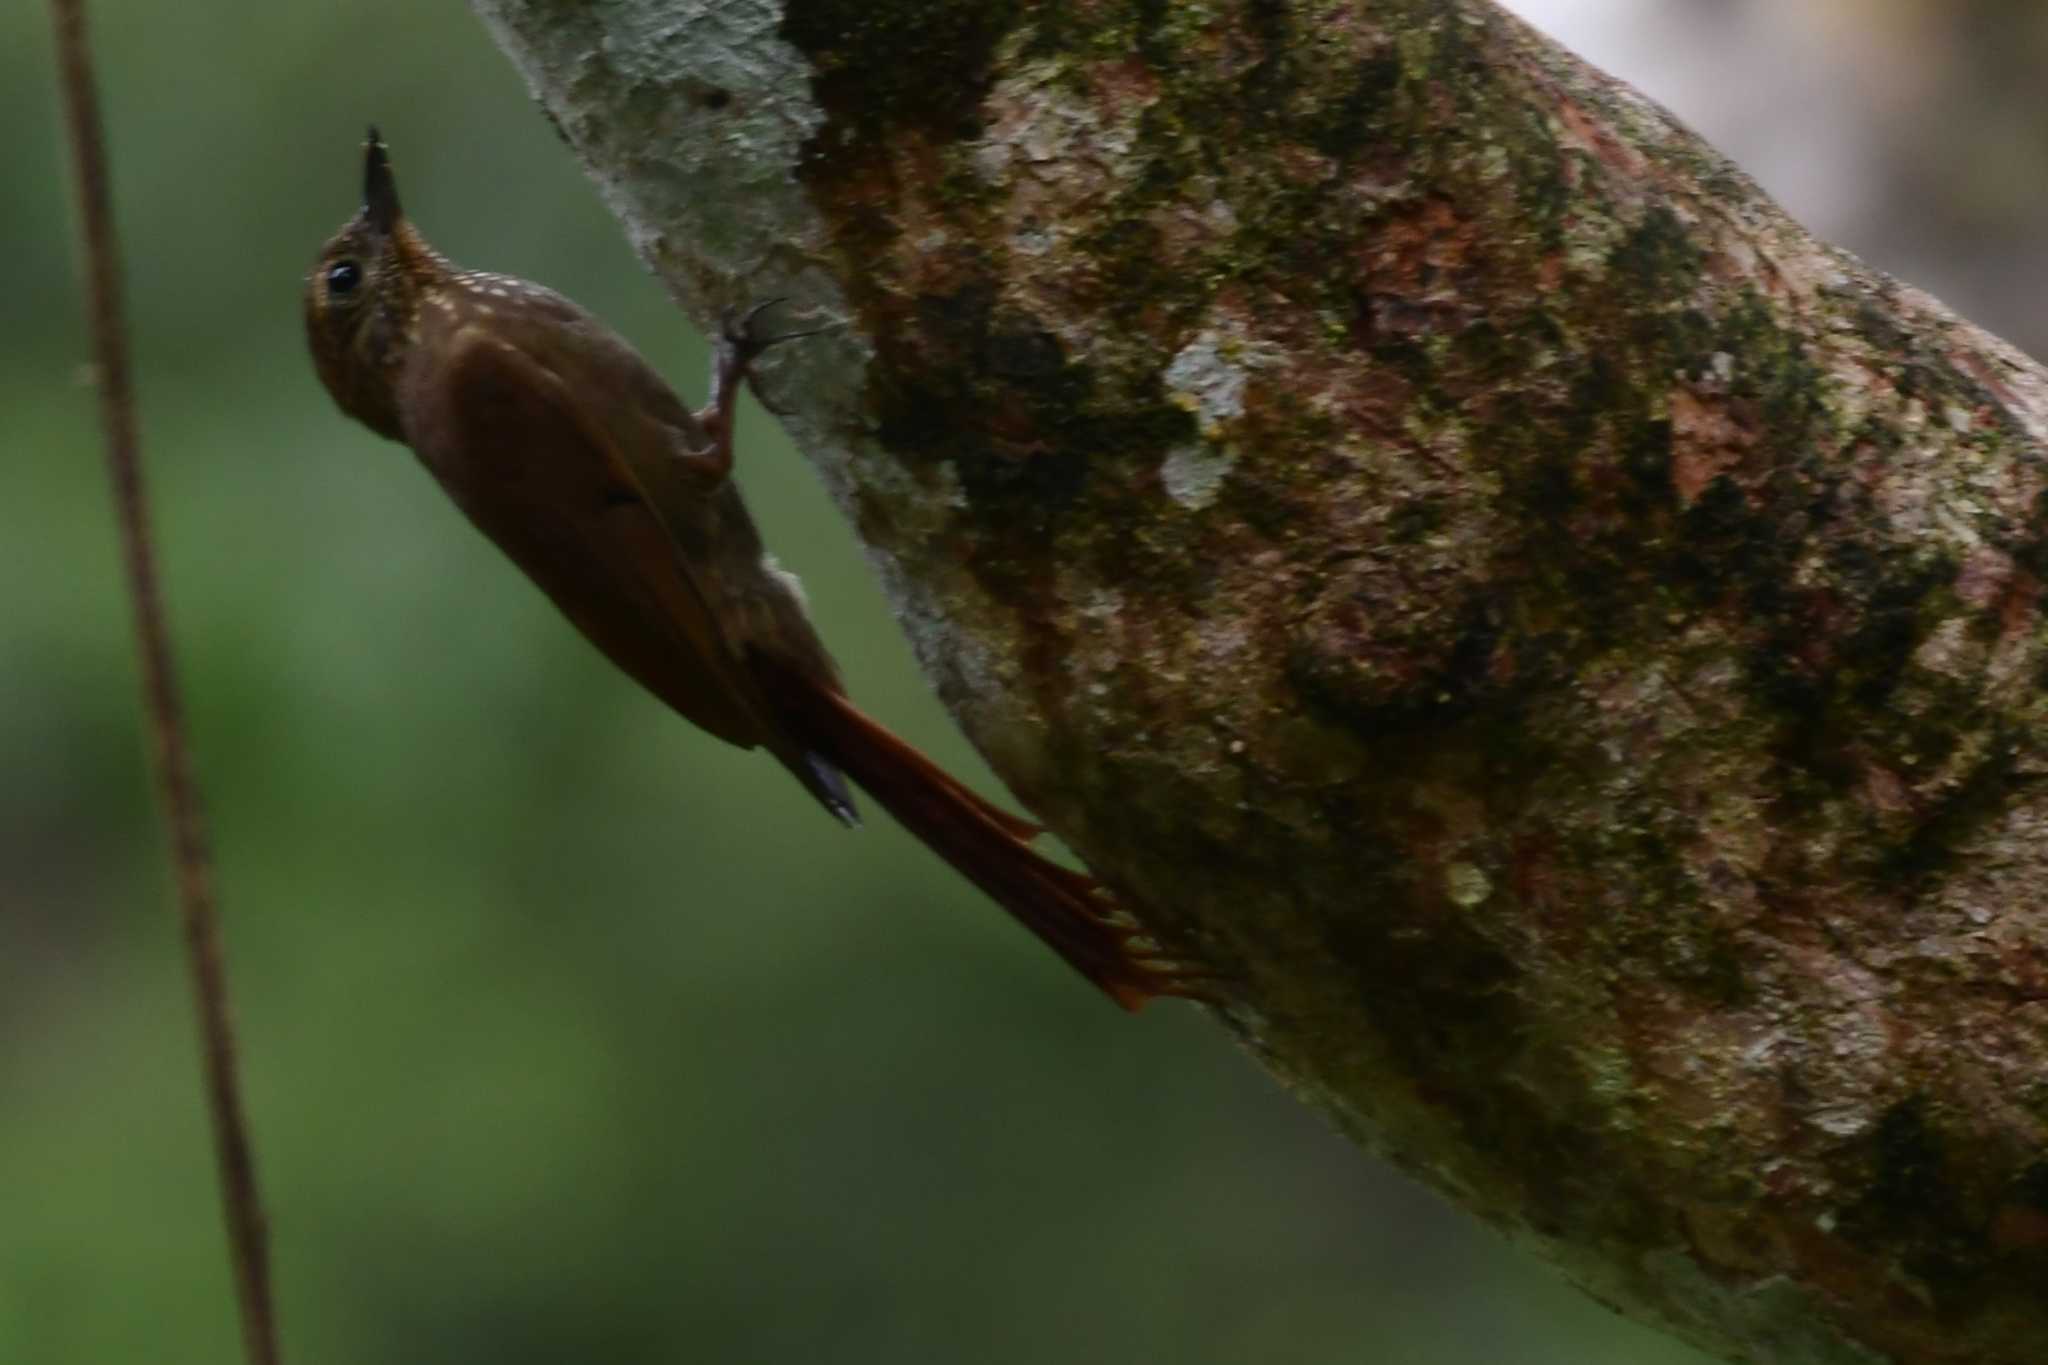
{"points": [[380, 191]]}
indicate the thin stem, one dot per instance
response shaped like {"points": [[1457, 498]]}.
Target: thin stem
{"points": [[247, 1241]]}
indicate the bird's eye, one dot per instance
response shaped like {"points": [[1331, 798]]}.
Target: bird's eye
{"points": [[343, 277]]}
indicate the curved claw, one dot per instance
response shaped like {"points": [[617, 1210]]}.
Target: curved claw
{"points": [[740, 342], [740, 331]]}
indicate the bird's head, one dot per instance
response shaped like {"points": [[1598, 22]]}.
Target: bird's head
{"points": [[363, 299]]}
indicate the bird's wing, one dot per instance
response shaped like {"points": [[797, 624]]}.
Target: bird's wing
{"points": [[540, 473]]}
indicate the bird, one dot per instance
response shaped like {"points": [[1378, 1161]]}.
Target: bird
{"points": [[566, 449]]}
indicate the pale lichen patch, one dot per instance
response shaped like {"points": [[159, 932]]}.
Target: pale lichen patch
{"points": [[1467, 885], [1208, 375], [1193, 474]]}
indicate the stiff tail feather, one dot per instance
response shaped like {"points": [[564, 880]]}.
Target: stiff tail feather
{"points": [[988, 845]]}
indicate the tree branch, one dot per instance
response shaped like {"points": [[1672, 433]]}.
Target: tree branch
{"points": [[1565, 643], [191, 857]]}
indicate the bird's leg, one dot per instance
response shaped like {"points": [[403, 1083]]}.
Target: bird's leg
{"points": [[740, 342]]}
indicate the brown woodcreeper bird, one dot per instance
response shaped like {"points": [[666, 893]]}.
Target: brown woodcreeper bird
{"points": [[566, 449]]}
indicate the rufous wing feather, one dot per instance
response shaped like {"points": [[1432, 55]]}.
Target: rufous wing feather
{"points": [[520, 453]]}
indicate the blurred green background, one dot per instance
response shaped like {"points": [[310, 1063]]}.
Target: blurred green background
{"points": [[569, 1033]]}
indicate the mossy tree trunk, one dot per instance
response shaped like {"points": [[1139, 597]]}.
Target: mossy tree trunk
{"points": [[1564, 644]]}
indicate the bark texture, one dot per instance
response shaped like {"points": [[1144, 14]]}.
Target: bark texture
{"points": [[1565, 645]]}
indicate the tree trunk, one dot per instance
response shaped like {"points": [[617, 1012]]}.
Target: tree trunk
{"points": [[1562, 643]]}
